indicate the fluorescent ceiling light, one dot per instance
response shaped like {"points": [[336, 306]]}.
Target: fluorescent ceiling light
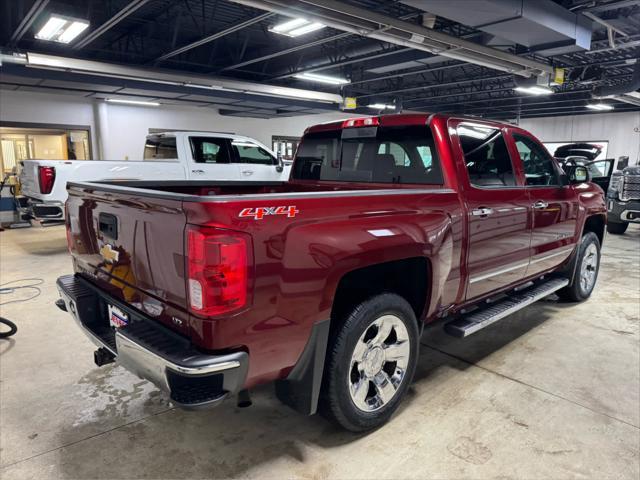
{"points": [[296, 27], [599, 106], [314, 77], [534, 90], [312, 27], [61, 29], [133, 102], [381, 106]]}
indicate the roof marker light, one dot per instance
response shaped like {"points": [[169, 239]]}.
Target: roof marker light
{"points": [[361, 122]]}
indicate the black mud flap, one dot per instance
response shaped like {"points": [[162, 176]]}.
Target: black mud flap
{"points": [[301, 389]]}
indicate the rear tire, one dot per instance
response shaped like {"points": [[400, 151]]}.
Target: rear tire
{"points": [[617, 228], [586, 270], [370, 363]]}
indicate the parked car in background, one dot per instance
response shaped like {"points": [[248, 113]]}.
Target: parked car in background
{"points": [[167, 156], [324, 284], [623, 199]]}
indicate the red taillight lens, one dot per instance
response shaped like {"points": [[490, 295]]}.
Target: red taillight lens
{"points": [[46, 176], [218, 270], [361, 122]]}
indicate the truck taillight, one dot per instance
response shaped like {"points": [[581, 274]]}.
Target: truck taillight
{"points": [[218, 270], [46, 177]]}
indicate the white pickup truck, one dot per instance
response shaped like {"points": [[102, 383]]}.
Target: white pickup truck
{"points": [[167, 156]]}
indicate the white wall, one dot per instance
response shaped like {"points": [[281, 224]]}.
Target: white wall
{"points": [[127, 125], [622, 130]]}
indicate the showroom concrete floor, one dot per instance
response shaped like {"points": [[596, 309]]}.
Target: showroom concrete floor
{"points": [[551, 392]]}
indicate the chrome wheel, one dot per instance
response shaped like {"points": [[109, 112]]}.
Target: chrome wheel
{"points": [[589, 268], [379, 363]]}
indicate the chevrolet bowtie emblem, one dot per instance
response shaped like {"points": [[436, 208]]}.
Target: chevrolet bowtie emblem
{"points": [[109, 254]]}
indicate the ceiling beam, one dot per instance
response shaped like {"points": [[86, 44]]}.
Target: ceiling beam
{"points": [[605, 23], [613, 6], [215, 36], [364, 22], [287, 51], [26, 23], [436, 85], [342, 63], [117, 18]]}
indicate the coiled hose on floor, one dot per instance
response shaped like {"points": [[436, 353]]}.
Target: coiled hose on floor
{"points": [[7, 323], [13, 287]]}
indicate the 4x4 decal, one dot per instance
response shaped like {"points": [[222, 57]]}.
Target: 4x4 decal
{"points": [[259, 213]]}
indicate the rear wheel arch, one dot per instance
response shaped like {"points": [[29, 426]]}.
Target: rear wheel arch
{"points": [[410, 278]]}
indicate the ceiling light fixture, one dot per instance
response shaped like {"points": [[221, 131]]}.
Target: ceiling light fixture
{"points": [[534, 90], [133, 102], [61, 29], [381, 106], [296, 27], [314, 77], [599, 106]]}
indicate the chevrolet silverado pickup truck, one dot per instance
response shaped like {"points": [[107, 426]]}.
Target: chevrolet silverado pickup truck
{"points": [[167, 156], [323, 284]]}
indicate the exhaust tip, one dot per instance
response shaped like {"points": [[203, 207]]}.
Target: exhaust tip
{"points": [[244, 399]]}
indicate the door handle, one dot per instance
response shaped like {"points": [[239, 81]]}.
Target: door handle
{"points": [[482, 212], [197, 171], [247, 172], [540, 204]]}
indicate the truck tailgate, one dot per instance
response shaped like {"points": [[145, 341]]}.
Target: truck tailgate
{"points": [[132, 247], [29, 178]]}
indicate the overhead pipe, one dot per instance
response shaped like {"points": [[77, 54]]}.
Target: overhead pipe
{"points": [[165, 77], [19, 58], [402, 33]]}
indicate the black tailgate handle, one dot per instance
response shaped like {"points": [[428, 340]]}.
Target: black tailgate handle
{"points": [[108, 225]]}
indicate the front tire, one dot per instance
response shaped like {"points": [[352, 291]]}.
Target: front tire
{"points": [[370, 363], [586, 271], [617, 228]]}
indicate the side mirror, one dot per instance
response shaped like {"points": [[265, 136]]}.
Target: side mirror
{"points": [[280, 165], [623, 162], [578, 174]]}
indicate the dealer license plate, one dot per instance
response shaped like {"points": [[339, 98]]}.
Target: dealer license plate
{"points": [[117, 318]]}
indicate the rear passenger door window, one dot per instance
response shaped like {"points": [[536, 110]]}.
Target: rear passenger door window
{"points": [[486, 156], [539, 169]]}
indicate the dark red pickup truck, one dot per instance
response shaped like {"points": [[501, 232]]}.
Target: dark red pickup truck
{"points": [[323, 284]]}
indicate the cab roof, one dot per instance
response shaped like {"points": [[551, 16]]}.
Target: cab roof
{"points": [[400, 119]]}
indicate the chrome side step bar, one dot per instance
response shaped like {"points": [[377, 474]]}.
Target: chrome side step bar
{"points": [[485, 316]]}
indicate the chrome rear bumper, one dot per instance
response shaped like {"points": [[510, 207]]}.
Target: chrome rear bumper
{"points": [[42, 211], [191, 378]]}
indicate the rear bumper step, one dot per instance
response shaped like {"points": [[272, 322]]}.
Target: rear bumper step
{"points": [[151, 351], [478, 319]]}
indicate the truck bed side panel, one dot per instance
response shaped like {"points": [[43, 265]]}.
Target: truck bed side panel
{"points": [[300, 260]]}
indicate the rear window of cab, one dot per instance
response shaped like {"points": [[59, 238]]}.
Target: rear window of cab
{"points": [[400, 155]]}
